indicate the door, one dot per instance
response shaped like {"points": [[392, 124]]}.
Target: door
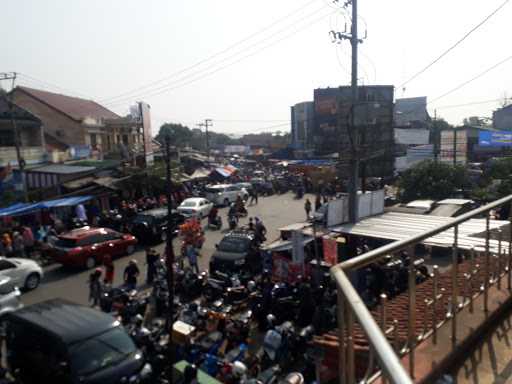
{"points": [[8, 268], [115, 243], [232, 193]]}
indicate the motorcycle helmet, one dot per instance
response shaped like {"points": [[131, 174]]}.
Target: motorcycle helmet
{"points": [[239, 369], [294, 378], [251, 286], [139, 319], [271, 320]]}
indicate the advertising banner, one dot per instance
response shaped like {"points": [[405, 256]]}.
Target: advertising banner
{"points": [[495, 139], [330, 250], [285, 270], [148, 139]]}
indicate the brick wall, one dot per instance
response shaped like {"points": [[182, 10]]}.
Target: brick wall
{"points": [[54, 122]]}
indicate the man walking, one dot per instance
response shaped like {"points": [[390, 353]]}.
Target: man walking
{"points": [[151, 259], [307, 208], [254, 195], [131, 272]]}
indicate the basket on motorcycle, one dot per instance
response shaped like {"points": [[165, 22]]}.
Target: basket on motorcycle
{"points": [[182, 332]]}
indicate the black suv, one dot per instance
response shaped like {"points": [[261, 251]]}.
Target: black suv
{"points": [[236, 254], [57, 341], [151, 226]]}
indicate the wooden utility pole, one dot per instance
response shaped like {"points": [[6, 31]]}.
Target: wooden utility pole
{"points": [[207, 123], [169, 259]]}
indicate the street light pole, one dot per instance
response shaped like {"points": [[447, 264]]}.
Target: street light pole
{"points": [[169, 258]]}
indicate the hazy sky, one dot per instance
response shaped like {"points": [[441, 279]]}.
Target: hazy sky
{"points": [[104, 48]]}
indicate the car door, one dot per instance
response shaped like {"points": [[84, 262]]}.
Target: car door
{"points": [[115, 243], [232, 193], [10, 269], [207, 207]]}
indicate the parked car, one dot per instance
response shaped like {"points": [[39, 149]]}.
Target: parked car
{"points": [[86, 247], [263, 187], [236, 254], [151, 226], [195, 207], [9, 296], [224, 194], [57, 341], [23, 273]]}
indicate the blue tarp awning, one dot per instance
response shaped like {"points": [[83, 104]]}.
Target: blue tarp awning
{"points": [[24, 208]]}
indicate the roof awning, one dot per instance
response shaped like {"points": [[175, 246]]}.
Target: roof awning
{"points": [[24, 209], [285, 245]]}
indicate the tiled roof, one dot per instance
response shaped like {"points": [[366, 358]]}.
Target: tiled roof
{"points": [[74, 107]]}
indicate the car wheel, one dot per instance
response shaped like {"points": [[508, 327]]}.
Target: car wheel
{"points": [[226, 201], [130, 249], [90, 263], [32, 281]]}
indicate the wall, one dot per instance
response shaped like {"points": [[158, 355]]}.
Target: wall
{"points": [[55, 123], [502, 118], [32, 155]]}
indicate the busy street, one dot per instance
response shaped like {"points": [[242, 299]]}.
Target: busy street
{"points": [[276, 211]]}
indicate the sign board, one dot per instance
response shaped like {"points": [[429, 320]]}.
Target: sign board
{"points": [[495, 139], [79, 152], [283, 269], [146, 127], [298, 247], [411, 136], [330, 250], [447, 146]]}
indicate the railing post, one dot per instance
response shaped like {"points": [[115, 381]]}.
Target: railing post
{"points": [[455, 283], [510, 249], [351, 372], [487, 263], [499, 258], [434, 303], [383, 324], [472, 273], [412, 311], [342, 358]]}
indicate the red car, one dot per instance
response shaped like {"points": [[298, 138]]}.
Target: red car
{"points": [[86, 247]]}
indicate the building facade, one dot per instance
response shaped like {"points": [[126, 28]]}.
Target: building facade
{"points": [[502, 118], [373, 116], [303, 120]]}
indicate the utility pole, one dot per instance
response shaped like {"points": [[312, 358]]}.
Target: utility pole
{"points": [[436, 138], [207, 123], [353, 131], [454, 147], [169, 259], [17, 141]]}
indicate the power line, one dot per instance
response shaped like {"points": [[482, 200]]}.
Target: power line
{"points": [[472, 79], [51, 85], [166, 88], [227, 49], [470, 103], [456, 44]]}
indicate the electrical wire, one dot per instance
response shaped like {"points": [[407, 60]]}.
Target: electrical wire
{"points": [[456, 44], [48, 85], [167, 89], [213, 56]]}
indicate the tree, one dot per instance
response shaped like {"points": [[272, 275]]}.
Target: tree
{"points": [[180, 135], [431, 180]]}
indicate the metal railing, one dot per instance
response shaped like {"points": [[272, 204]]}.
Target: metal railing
{"points": [[351, 307]]}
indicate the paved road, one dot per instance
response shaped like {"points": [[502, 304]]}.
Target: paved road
{"points": [[275, 211]]}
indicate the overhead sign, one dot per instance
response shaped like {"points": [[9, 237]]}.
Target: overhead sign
{"points": [[495, 139]]}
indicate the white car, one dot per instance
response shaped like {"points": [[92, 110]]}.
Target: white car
{"points": [[224, 194], [24, 273], [9, 297], [195, 207]]}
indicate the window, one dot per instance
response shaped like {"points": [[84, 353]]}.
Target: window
{"points": [[4, 265], [93, 140], [7, 139]]}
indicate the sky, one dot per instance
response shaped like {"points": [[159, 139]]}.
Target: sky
{"points": [[244, 63]]}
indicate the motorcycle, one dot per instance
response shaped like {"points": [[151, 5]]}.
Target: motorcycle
{"points": [[232, 221], [215, 223]]}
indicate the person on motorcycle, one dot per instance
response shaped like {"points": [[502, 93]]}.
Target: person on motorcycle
{"points": [[240, 206], [260, 231], [213, 216]]}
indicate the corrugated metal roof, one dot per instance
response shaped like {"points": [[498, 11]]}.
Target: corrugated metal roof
{"points": [[401, 226], [62, 169]]}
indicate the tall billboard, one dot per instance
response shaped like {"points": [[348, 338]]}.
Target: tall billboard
{"points": [[495, 138], [447, 146], [145, 115]]}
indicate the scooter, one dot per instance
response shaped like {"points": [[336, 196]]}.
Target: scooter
{"points": [[215, 223]]}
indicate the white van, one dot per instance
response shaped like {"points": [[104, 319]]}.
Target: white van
{"points": [[224, 194]]}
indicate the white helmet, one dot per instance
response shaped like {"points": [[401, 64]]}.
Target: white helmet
{"points": [[239, 369]]}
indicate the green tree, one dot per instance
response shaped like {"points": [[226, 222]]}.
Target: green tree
{"points": [[180, 134], [431, 180]]}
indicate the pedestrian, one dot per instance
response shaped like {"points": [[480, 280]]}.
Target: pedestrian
{"points": [[318, 202], [109, 270], [254, 195], [307, 208], [131, 273], [18, 245], [325, 199], [151, 259], [28, 240], [192, 254], [7, 243], [260, 231], [250, 226], [95, 287]]}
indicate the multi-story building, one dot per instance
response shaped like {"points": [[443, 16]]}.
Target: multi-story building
{"points": [[303, 119], [502, 118], [373, 116], [83, 126]]}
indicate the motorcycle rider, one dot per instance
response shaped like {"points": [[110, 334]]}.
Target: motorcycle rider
{"points": [[140, 332], [260, 231], [213, 218]]}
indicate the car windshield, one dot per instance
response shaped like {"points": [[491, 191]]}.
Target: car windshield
{"points": [[188, 203], [143, 219], [234, 244], [213, 190], [65, 242], [101, 351]]}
